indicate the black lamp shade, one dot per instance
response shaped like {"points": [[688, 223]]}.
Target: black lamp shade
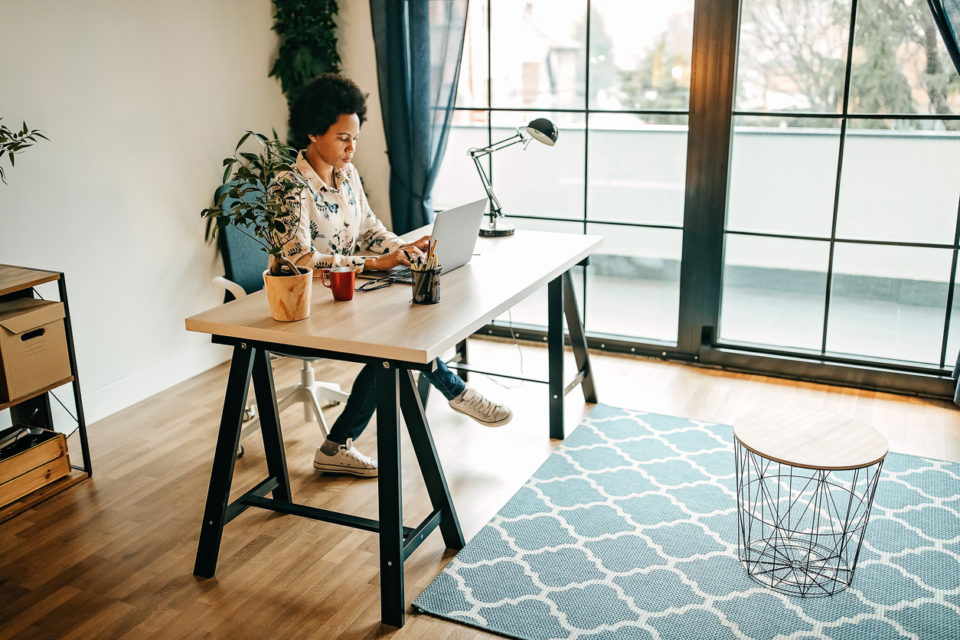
{"points": [[542, 130]]}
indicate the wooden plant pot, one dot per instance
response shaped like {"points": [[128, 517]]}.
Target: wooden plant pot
{"points": [[289, 296]]}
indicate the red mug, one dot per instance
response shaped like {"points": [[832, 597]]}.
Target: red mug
{"points": [[341, 282]]}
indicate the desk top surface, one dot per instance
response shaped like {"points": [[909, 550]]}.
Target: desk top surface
{"points": [[385, 324], [811, 439]]}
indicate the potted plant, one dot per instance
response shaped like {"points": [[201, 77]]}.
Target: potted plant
{"points": [[260, 197], [12, 142]]}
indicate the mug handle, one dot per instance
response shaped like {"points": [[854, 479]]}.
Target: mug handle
{"points": [[324, 273]]}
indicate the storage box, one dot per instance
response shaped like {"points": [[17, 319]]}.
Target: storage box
{"points": [[33, 347], [34, 467]]}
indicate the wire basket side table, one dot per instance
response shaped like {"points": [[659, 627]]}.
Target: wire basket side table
{"points": [[805, 485]]}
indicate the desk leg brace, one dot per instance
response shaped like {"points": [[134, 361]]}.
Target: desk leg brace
{"points": [[391, 502], [228, 440]]}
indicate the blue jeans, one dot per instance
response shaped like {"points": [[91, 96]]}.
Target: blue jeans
{"points": [[363, 399]]}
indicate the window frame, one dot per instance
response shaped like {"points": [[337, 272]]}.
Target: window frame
{"points": [[711, 114]]}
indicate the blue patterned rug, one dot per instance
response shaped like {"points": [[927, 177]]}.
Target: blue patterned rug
{"points": [[628, 532]]}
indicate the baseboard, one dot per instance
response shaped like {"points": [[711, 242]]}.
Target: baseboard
{"points": [[131, 389]]}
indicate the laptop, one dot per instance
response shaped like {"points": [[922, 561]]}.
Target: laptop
{"points": [[455, 230]]}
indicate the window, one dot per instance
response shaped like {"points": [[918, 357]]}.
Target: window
{"points": [[615, 78], [844, 190], [835, 232]]}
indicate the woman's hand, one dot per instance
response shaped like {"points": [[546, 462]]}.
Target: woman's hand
{"points": [[394, 258], [422, 245]]}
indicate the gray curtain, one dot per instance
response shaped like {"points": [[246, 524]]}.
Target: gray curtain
{"points": [[419, 44], [946, 13]]}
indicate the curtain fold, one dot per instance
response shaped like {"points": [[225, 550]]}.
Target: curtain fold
{"points": [[419, 45], [946, 13]]}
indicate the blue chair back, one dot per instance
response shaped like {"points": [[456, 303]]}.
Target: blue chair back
{"points": [[243, 257]]}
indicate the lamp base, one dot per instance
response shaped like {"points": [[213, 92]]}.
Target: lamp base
{"points": [[496, 229]]}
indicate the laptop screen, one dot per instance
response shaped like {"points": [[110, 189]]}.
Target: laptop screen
{"points": [[455, 231]]}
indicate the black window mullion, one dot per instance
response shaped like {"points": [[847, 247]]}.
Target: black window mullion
{"points": [[586, 153], [950, 289], [489, 159], [836, 191], [712, 87]]}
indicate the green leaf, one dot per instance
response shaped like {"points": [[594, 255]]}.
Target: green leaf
{"points": [[243, 139]]}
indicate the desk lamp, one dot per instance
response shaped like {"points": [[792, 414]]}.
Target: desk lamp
{"points": [[541, 130]]}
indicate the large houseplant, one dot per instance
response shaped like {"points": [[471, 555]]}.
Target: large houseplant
{"points": [[260, 197]]}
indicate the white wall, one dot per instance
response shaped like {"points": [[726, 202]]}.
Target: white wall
{"points": [[141, 101]]}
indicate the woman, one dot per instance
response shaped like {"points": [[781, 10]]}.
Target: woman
{"points": [[335, 222]]}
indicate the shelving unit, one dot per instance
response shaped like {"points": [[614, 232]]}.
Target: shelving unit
{"points": [[35, 409]]}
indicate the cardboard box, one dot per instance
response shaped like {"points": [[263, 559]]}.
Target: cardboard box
{"points": [[33, 468], [33, 346]]}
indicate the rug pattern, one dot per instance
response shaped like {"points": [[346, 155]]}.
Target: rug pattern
{"points": [[628, 532]]}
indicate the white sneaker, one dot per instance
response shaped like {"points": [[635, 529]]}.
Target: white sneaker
{"points": [[346, 460], [487, 413]]}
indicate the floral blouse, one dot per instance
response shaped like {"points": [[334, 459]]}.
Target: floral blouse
{"points": [[336, 222]]}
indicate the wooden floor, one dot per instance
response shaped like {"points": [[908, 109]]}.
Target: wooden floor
{"points": [[113, 556]]}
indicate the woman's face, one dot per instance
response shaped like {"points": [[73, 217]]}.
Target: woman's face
{"points": [[337, 145]]}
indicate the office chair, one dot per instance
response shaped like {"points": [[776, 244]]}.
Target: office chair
{"points": [[244, 263]]}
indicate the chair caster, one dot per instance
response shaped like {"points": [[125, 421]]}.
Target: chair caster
{"points": [[240, 452]]}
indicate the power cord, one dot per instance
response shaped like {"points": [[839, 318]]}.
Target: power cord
{"points": [[498, 381]]}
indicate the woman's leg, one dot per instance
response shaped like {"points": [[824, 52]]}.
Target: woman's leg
{"points": [[468, 401], [359, 409], [363, 400], [446, 381], [337, 453]]}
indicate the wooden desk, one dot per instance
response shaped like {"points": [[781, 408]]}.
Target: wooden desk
{"points": [[383, 327]]}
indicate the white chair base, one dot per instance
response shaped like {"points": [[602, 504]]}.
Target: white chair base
{"points": [[310, 393]]}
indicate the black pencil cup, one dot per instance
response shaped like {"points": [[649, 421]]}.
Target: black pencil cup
{"points": [[426, 286]]}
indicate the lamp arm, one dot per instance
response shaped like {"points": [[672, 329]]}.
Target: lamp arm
{"points": [[496, 146], [477, 154], [494, 202]]}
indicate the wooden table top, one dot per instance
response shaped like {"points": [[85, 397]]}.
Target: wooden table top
{"points": [[385, 324], [811, 439]]}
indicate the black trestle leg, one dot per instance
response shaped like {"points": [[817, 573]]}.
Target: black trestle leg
{"points": [[228, 439], [577, 339], [423, 389], [429, 462], [555, 355], [270, 425], [391, 502], [462, 358]]}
